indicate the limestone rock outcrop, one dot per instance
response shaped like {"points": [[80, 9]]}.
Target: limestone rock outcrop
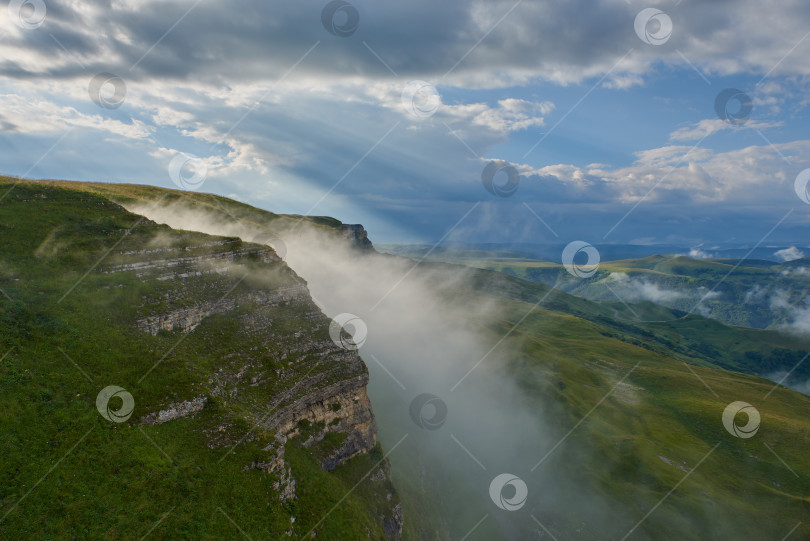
{"points": [[284, 372]]}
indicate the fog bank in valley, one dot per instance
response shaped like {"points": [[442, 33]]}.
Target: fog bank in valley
{"points": [[449, 412]]}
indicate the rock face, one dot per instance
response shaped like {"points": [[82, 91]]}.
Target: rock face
{"points": [[358, 234], [292, 380], [176, 411], [341, 407], [393, 526], [229, 254], [187, 319]]}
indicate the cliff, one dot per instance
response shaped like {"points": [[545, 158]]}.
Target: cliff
{"points": [[358, 235], [242, 403]]}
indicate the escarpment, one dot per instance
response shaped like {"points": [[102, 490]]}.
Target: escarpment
{"points": [[358, 235], [330, 394], [242, 402], [293, 382]]}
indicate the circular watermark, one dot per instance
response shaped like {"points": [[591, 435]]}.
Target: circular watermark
{"points": [[340, 18], [123, 412], [420, 99], [726, 111], [580, 270], [800, 185], [747, 430], [508, 187], [187, 171], [653, 26], [511, 502], [428, 411], [273, 241], [107, 90], [27, 14], [348, 331]]}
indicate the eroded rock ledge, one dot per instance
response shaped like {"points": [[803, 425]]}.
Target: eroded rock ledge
{"points": [[186, 319], [341, 407], [176, 410]]}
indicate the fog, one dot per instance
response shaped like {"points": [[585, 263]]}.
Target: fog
{"points": [[429, 346], [797, 312], [639, 289]]}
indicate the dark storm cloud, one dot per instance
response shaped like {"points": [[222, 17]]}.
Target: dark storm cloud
{"points": [[244, 41]]}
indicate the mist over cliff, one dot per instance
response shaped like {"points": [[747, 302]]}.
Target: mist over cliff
{"points": [[449, 410]]}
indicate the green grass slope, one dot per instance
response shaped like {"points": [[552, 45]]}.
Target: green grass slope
{"points": [[640, 425], [748, 293], [698, 339]]}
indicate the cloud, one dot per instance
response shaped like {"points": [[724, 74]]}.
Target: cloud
{"points": [[789, 254], [706, 127], [640, 289], [505, 116], [515, 114], [40, 116], [783, 378], [798, 271], [756, 293], [706, 294], [483, 43], [698, 253], [799, 321], [653, 292], [688, 174], [797, 313], [292, 118]]}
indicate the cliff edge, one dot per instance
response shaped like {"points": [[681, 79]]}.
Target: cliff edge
{"points": [[191, 376]]}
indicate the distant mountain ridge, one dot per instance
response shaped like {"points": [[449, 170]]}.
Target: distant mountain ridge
{"points": [[608, 252]]}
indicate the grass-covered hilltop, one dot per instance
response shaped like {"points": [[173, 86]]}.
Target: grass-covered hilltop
{"points": [[248, 420], [245, 418]]}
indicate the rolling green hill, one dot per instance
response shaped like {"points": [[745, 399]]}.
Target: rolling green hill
{"points": [[749, 293]]}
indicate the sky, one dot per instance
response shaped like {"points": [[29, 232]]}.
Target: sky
{"points": [[539, 121]]}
